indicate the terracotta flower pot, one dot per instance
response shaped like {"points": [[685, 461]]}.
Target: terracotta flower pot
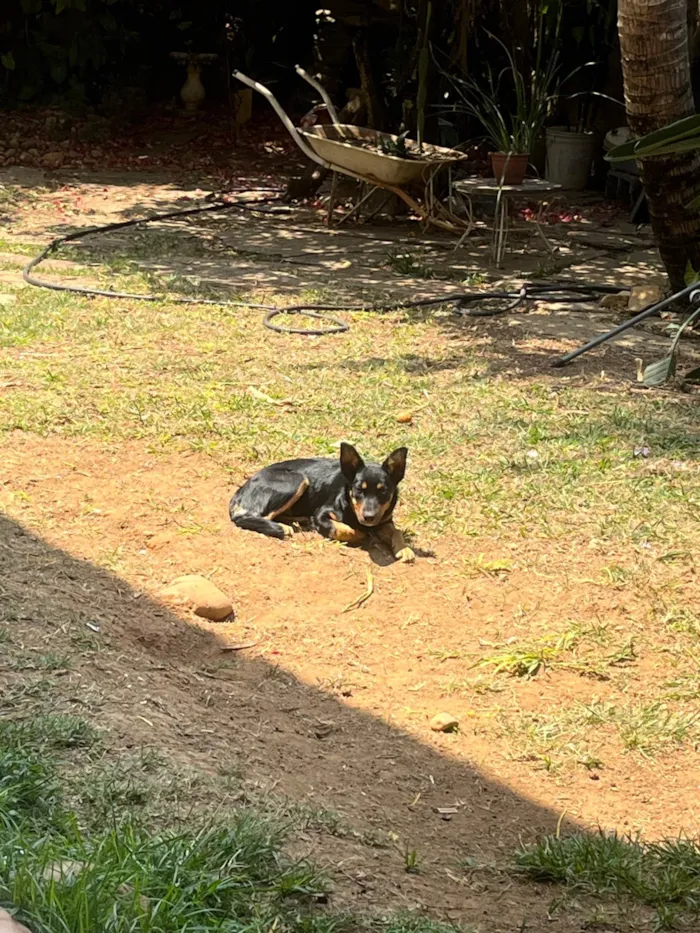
{"points": [[509, 168]]}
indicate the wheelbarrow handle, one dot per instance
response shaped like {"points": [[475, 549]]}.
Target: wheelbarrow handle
{"points": [[293, 131], [321, 90]]}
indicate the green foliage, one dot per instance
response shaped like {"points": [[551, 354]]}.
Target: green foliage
{"points": [[681, 136], [423, 65], [664, 875], [510, 128], [395, 147], [59, 45], [662, 371], [227, 876]]}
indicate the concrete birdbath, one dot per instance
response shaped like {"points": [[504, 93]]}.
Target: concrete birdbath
{"points": [[192, 91]]}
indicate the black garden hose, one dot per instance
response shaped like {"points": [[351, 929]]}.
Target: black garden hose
{"points": [[463, 302]]}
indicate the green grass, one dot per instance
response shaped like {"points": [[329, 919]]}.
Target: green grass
{"points": [[41, 662], [663, 875], [415, 266], [177, 377], [227, 876], [564, 651], [49, 731], [19, 249], [528, 482], [651, 728], [66, 867], [580, 733], [92, 840]]}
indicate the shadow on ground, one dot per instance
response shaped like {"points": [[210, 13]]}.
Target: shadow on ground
{"points": [[253, 256], [151, 680]]}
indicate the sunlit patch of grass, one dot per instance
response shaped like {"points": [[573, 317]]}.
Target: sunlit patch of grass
{"points": [[526, 661], [651, 728], [578, 734], [14, 246], [683, 620], [552, 741], [516, 455], [682, 688], [567, 650], [535, 477]]}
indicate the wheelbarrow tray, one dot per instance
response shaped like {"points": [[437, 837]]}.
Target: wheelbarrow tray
{"points": [[356, 149]]}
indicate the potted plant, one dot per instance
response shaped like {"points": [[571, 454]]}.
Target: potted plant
{"points": [[512, 108]]}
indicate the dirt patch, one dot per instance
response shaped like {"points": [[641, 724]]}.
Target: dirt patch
{"points": [[396, 659], [330, 707]]}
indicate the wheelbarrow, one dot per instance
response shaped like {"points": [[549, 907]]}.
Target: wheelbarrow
{"points": [[378, 159]]}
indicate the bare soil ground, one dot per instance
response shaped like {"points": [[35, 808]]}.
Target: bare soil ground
{"points": [[553, 617]]}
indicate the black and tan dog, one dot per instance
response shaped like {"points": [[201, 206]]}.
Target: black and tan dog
{"points": [[342, 499]]}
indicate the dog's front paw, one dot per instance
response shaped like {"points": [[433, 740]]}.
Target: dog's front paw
{"points": [[345, 534], [288, 531], [405, 555]]}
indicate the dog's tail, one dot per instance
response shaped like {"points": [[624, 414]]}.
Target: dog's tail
{"points": [[263, 526]]}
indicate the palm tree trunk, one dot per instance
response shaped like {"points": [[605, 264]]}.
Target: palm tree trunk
{"points": [[656, 71]]}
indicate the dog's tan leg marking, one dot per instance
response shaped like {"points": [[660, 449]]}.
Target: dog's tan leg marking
{"points": [[303, 486], [390, 535], [346, 534]]}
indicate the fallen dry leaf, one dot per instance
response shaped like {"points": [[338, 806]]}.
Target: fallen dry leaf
{"points": [[247, 644], [355, 604]]}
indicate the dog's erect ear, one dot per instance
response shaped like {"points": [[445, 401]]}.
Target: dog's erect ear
{"points": [[350, 461], [395, 464]]}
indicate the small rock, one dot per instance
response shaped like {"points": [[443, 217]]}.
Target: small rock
{"points": [[52, 160], [200, 595], [642, 296], [7, 300], [404, 417], [323, 729], [443, 722], [162, 539], [617, 302]]}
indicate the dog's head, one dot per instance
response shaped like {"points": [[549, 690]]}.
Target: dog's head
{"points": [[373, 487]]}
